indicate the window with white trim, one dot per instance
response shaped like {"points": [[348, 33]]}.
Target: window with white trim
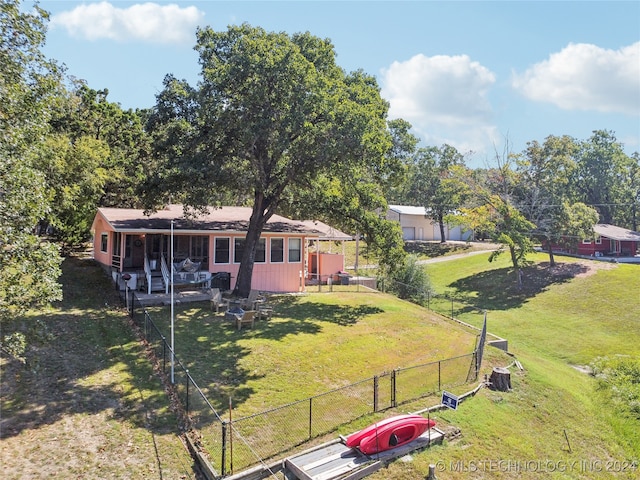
{"points": [[277, 250], [238, 249], [221, 248], [295, 250]]}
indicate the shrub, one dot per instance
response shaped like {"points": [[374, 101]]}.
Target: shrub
{"points": [[620, 377], [411, 282]]}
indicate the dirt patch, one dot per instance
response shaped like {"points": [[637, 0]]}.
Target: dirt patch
{"points": [[578, 269]]}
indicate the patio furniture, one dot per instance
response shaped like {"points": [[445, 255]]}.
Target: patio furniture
{"points": [[248, 318], [233, 313], [264, 311], [217, 302], [253, 300]]}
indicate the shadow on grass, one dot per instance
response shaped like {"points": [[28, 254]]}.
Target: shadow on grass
{"points": [[89, 362], [344, 315], [434, 249], [211, 347], [498, 289]]}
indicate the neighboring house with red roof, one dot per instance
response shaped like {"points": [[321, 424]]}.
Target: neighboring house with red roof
{"points": [[206, 249]]}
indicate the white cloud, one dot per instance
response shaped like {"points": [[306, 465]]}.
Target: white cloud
{"points": [[149, 22], [444, 98], [586, 77]]}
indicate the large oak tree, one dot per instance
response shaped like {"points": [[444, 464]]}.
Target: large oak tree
{"points": [[272, 117]]}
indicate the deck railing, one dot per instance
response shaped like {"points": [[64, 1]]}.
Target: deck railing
{"points": [[166, 276]]}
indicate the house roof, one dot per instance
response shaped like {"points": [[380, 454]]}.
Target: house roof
{"points": [[327, 232], [221, 219], [409, 210], [616, 233]]}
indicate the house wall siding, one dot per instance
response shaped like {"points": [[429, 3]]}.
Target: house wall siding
{"points": [[273, 277], [100, 227]]}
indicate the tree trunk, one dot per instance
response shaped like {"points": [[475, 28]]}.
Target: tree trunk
{"points": [[256, 223], [441, 222], [552, 261], [516, 265], [500, 379]]}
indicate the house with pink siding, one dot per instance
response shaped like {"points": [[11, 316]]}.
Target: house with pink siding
{"points": [[207, 249]]}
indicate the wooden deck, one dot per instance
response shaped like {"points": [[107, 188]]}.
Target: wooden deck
{"points": [[179, 296]]}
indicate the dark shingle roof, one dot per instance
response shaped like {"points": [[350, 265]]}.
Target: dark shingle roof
{"points": [[222, 219]]}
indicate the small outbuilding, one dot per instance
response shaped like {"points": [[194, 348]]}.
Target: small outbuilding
{"points": [[418, 224]]}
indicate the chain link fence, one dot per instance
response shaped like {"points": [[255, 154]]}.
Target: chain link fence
{"points": [[245, 442]]}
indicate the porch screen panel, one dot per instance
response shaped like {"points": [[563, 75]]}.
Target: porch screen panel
{"points": [[200, 249], [221, 254], [117, 243], [181, 248]]}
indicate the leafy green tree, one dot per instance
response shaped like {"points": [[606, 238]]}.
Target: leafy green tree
{"points": [[404, 145], [544, 193], [97, 156], [630, 217], [505, 225], [602, 177], [436, 182], [75, 176], [495, 213], [272, 115], [29, 267]]}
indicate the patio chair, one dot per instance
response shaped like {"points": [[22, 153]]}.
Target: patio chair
{"points": [[248, 318], [264, 311], [217, 302], [253, 300]]}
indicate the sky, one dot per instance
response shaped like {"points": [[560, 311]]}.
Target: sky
{"points": [[484, 77]]}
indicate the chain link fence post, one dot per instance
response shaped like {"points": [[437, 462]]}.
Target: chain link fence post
{"points": [[393, 389], [375, 394]]}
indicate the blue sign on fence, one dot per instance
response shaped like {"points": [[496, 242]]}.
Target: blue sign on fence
{"points": [[449, 400]]}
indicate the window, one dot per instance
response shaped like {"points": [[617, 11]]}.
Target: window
{"points": [[277, 250], [261, 251], [238, 249], [295, 250], [599, 241], [586, 242], [221, 250], [103, 242]]}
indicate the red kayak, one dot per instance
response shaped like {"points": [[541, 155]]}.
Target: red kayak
{"points": [[389, 433]]}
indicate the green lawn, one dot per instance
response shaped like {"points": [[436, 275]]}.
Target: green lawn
{"points": [[313, 344], [89, 405], [558, 321]]}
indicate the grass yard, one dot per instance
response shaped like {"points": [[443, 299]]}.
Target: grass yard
{"points": [[563, 319], [87, 404], [313, 344]]}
